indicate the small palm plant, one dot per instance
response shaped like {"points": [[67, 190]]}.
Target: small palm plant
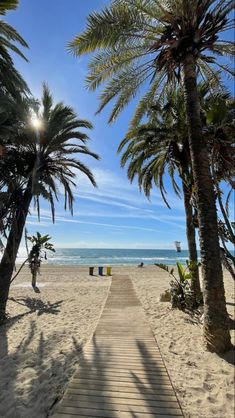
{"points": [[40, 246], [181, 294]]}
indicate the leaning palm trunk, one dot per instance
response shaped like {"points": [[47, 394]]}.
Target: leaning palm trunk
{"points": [[192, 246], [10, 253], [216, 330]]}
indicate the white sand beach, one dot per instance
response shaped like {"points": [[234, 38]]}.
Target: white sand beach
{"points": [[40, 346]]}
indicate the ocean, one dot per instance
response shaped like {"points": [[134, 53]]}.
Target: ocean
{"points": [[100, 257]]}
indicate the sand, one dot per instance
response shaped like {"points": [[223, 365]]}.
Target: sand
{"points": [[40, 346], [204, 382]]}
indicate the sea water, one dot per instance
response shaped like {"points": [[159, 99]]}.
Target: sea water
{"points": [[85, 256]]}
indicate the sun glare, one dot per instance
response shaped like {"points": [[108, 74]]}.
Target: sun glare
{"points": [[36, 122]]}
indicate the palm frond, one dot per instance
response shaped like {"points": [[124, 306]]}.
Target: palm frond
{"points": [[130, 32], [6, 5]]}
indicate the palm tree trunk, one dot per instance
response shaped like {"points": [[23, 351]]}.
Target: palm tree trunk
{"points": [[10, 253], [192, 246], [216, 329], [34, 277]]}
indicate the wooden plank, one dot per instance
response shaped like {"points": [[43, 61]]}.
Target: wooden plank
{"points": [[127, 382], [114, 342], [131, 354], [121, 415], [119, 394], [117, 340], [119, 364], [104, 413], [125, 348], [123, 360], [123, 351], [123, 369], [122, 400], [107, 406], [82, 412], [121, 355], [121, 377], [126, 338], [123, 388], [114, 369]]}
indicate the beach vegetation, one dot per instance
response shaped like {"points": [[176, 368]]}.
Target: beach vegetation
{"points": [[38, 253], [157, 45], [181, 293], [41, 163]]}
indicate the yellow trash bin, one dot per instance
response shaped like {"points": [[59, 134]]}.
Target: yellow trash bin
{"points": [[109, 271]]}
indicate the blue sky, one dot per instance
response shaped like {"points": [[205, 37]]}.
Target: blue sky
{"points": [[115, 215]]}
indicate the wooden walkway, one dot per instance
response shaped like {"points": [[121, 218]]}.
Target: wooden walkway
{"points": [[121, 373]]}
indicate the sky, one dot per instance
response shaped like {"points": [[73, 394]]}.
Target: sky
{"points": [[116, 214]]}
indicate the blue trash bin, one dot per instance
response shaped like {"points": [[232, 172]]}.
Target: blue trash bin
{"points": [[100, 271]]}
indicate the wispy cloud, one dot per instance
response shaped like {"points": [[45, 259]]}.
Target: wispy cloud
{"points": [[114, 189], [76, 221], [41, 224]]}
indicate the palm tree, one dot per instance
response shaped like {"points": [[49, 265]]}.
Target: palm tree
{"points": [[157, 147], [161, 145], [220, 133], [155, 44], [40, 246], [10, 79], [40, 164]]}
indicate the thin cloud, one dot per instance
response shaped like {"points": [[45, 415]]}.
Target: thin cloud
{"points": [[63, 219]]}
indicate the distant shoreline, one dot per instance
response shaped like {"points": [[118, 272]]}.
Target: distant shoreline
{"points": [[112, 257]]}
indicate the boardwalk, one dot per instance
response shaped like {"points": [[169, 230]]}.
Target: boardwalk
{"points": [[121, 373]]}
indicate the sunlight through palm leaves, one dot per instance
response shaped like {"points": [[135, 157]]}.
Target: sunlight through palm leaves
{"points": [[36, 166]]}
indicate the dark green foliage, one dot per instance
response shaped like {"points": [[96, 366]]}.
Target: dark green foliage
{"points": [[181, 294], [11, 81]]}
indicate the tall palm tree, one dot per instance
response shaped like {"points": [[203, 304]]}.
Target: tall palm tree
{"points": [[158, 147], [161, 145], [40, 164], [156, 44], [10, 78], [220, 133]]}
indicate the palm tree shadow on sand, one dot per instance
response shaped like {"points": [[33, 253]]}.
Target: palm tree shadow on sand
{"points": [[37, 305], [37, 369]]}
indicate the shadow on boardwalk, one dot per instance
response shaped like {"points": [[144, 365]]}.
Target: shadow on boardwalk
{"points": [[102, 387]]}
